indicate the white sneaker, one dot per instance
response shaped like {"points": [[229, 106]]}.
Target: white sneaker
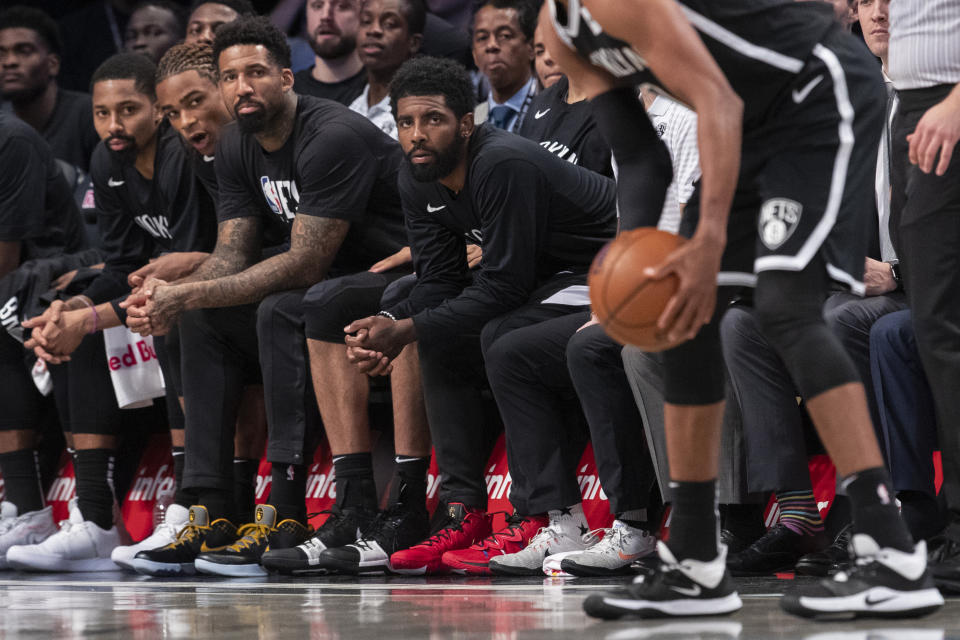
{"points": [[79, 545], [174, 519], [560, 536], [30, 528], [620, 546]]}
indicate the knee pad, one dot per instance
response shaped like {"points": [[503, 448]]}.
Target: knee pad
{"points": [[693, 371], [791, 319]]}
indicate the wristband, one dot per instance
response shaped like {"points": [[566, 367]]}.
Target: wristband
{"points": [[387, 314], [96, 316]]}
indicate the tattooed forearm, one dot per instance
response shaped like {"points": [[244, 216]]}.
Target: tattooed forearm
{"points": [[238, 246], [313, 246]]}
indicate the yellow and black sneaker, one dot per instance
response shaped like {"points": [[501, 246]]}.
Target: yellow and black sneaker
{"points": [[242, 558], [177, 558]]}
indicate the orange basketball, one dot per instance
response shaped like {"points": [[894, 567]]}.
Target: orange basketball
{"points": [[626, 302]]}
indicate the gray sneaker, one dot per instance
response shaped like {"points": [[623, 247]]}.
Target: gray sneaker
{"points": [[621, 545], [529, 561]]}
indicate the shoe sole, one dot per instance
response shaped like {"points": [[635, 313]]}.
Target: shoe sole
{"points": [[507, 570], [887, 603], [162, 569], [52, 564], [414, 571], [290, 567], [229, 570], [470, 569], [126, 565], [332, 565], [611, 608], [588, 571]]}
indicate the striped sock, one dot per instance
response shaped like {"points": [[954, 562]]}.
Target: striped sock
{"points": [[799, 513]]}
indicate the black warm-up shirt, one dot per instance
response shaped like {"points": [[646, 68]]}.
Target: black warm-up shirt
{"points": [[335, 164], [37, 208], [534, 214], [567, 130], [141, 218]]}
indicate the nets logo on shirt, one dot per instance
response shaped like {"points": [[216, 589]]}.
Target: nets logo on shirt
{"points": [[282, 196], [156, 226]]}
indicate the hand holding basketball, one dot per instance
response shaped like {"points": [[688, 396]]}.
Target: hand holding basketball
{"points": [[627, 301]]}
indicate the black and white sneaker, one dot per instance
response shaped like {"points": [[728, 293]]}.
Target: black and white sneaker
{"points": [[341, 528], [399, 527], [884, 582], [676, 588]]}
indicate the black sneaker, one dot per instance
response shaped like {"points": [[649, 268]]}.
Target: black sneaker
{"points": [[883, 583], [736, 543], [178, 557], [397, 528], [677, 588], [944, 560], [341, 528], [778, 550], [827, 562], [242, 558]]}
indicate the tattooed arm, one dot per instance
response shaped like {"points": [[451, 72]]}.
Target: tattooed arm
{"points": [[238, 246], [314, 242]]}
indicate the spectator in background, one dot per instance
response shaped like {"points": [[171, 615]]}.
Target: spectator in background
{"points": [[390, 33], [503, 51], [207, 15], [154, 27], [30, 50], [337, 73], [548, 72]]}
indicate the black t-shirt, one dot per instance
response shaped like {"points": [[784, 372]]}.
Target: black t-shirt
{"points": [[37, 208], [205, 168], [141, 218], [534, 214], [70, 131], [567, 130], [335, 164], [759, 45], [343, 92]]}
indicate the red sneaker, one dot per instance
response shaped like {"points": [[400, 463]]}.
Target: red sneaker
{"points": [[463, 528], [512, 538]]}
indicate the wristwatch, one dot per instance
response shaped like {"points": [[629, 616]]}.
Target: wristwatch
{"points": [[895, 272]]}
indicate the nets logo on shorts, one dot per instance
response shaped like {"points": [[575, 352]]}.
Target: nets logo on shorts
{"points": [[778, 220]]}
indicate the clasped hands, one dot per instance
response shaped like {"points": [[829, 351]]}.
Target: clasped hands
{"points": [[373, 343]]}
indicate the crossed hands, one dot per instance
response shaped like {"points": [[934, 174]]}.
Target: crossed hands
{"points": [[373, 343], [152, 308], [58, 331]]}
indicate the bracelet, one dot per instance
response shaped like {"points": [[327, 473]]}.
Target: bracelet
{"points": [[387, 314], [96, 316]]}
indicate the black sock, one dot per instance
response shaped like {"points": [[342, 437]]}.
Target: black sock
{"points": [[288, 491], [186, 498], [245, 487], [21, 475], [411, 475], [354, 477], [219, 504], [694, 523], [874, 509], [94, 471]]}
